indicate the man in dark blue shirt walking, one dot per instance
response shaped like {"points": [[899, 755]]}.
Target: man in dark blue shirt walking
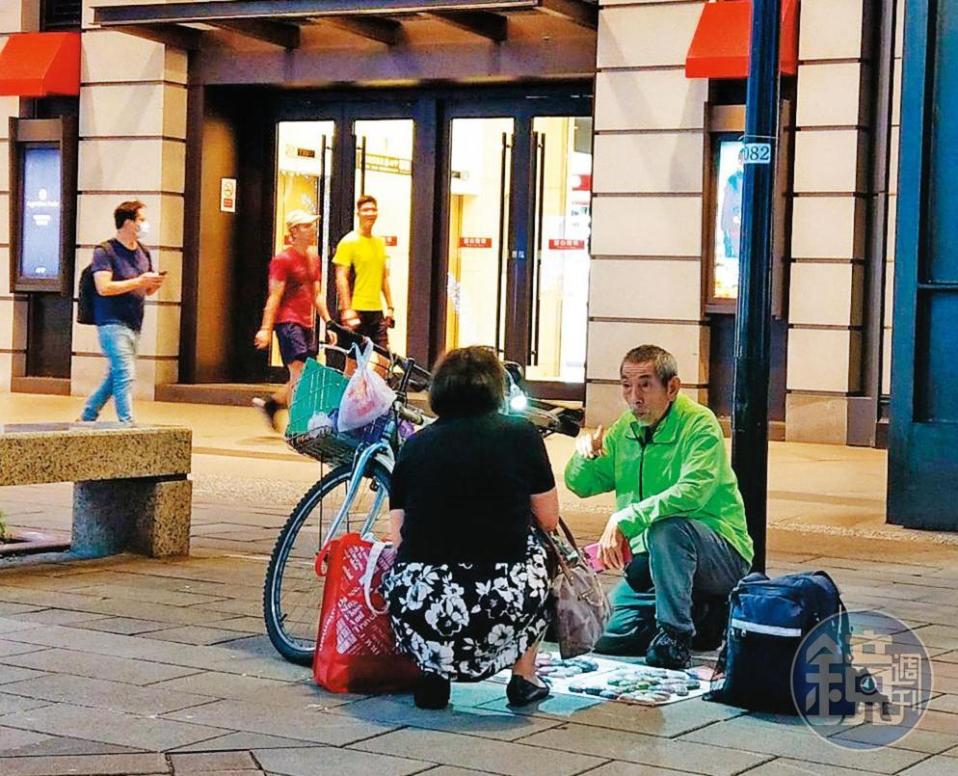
{"points": [[124, 276]]}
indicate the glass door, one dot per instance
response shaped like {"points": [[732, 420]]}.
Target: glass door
{"points": [[518, 243], [383, 169], [561, 167], [304, 154], [483, 208], [322, 166], [479, 194]]}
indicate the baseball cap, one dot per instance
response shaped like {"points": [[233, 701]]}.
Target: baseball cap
{"points": [[300, 217]]}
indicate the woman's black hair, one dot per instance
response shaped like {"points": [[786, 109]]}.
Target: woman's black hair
{"points": [[467, 381]]}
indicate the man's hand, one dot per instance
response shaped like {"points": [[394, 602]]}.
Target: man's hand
{"points": [[151, 281], [349, 318], [589, 445], [610, 545], [330, 336], [261, 340], [389, 319]]}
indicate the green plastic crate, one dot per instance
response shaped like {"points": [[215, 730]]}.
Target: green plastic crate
{"points": [[320, 389]]}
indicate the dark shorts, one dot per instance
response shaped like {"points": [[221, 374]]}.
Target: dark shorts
{"points": [[296, 342], [372, 324]]}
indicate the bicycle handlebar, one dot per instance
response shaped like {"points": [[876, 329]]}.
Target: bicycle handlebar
{"points": [[411, 414], [545, 416], [407, 365]]}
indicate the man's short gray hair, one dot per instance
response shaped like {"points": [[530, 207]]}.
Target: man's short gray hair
{"points": [[664, 362]]}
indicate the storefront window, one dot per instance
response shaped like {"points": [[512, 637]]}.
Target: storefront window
{"points": [[727, 232]]}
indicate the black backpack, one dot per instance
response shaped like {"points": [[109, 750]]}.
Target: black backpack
{"points": [[768, 619], [86, 290]]}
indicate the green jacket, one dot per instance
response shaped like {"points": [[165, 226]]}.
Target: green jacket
{"points": [[683, 470]]}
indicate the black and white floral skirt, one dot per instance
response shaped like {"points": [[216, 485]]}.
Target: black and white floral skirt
{"points": [[468, 621]]}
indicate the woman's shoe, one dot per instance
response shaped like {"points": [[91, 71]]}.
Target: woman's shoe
{"points": [[521, 692], [431, 691]]}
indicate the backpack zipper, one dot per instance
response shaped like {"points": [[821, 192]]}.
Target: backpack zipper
{"points": [[738, 625]]}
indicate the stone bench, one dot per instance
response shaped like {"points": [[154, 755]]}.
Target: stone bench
{"points": [[130, 491]]}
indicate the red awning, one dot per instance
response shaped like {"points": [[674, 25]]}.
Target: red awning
{"points": [[720, 46], [38, 64]]}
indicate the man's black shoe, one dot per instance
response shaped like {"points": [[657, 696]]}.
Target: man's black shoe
{"points": [[711, 626], [521, 692], [669, 650], [431, 692]]}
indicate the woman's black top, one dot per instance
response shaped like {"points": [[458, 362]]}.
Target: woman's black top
{"points": [[464, 484]]}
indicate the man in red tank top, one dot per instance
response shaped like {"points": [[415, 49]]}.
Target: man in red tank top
{"points": [[294, 294]]}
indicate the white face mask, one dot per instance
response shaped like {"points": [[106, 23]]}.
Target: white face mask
{"points": [[142, 228]]}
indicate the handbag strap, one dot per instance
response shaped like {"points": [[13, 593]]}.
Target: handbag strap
{"points": [[564, 566], [568, 535], [366, 580]]}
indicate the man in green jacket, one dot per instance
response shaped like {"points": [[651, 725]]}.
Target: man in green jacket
{"points": [[678, 508]]}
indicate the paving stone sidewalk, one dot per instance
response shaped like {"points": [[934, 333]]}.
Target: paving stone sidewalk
{"points": [[135, 666]]}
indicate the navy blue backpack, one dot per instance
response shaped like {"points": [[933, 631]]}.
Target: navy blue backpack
{"points": [[768, 619]]}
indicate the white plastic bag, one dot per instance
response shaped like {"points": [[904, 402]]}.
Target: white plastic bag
{"points": [[367, 397]]}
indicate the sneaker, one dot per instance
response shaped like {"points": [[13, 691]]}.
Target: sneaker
{"points": [[431, 691], [269, 407], [669, 650], [521, 692]]}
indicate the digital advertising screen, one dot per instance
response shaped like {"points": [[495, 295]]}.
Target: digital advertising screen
{"points": [[41, 213]]}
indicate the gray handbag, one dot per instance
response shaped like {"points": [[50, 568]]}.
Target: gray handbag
{"points": [[580, 606]]}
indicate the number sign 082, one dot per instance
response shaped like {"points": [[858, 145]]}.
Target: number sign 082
{"points": [[758, 153]]}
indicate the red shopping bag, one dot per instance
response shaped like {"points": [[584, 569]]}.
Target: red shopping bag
{"points": [[355, 647]]}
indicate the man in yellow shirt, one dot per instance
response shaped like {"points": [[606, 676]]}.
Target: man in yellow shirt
{"points": [[361, 307]]}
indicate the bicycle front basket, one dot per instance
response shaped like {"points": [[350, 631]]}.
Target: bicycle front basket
{"points": [[325, 444]]}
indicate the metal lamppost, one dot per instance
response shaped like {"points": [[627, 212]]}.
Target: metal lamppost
{"points": [[754, 313]]}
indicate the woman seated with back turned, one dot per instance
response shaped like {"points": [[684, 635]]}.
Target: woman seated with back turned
{"points": [[469, 593]]}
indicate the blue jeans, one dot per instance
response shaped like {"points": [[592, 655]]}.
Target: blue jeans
{"points": [[686, 563], [118, 343]]}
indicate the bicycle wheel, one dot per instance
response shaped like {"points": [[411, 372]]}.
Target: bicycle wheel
{"points": [[292, 593]]}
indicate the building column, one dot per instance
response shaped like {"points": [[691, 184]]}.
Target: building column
{"points": [[828, 223], [14, 17], [646, 284], [132, 145]]}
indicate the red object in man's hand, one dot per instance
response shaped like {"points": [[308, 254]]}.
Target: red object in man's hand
{"points": [[592, 553]]}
